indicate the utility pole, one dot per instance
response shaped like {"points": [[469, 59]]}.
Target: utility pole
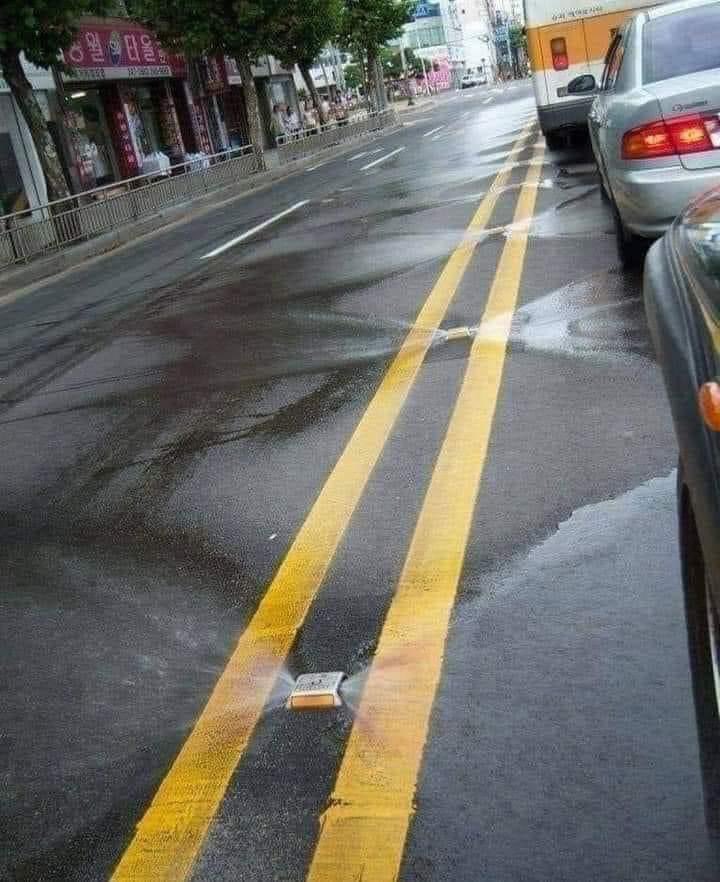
{"points": [[422, 63]]}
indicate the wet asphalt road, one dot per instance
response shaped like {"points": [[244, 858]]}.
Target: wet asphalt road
{"points": [[166, 425]]}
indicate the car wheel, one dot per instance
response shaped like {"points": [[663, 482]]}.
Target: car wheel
{"points": [[629, 247], [703, 629], [554, 141]]}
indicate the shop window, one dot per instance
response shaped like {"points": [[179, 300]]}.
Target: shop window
{"points": [[88, 132], [151, 124]]}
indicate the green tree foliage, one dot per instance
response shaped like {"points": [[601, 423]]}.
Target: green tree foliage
{"points": [[241, 29], [40, 29], [369, 24], [353, 76], [301, 32], [391, 59], [518, 37]]}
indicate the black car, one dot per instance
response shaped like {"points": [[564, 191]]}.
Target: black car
{"points": [[682, 300]]}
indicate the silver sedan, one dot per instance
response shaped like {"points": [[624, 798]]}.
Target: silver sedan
{"points": [[655, 123]]}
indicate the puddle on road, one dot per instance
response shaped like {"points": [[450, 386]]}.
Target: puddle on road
{"points": [[592, 532], [291, 329], [598, 317]]}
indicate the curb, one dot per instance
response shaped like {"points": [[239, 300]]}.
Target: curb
{"points": [[14, 281]]}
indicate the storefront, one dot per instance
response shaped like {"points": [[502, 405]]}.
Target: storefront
{"points": [[120, 99], [275, 85], [233, 105]]}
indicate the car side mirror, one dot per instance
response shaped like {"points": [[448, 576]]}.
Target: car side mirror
{"points": [[582, 85]]}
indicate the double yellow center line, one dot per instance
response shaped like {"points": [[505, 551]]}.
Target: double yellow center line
{"points": [[169, 836], [363, 832]]}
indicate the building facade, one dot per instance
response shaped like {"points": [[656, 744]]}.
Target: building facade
{"points": [[451, 37], [124, 107]]}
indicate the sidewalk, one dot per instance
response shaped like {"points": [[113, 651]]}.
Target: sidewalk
{"points": [[421, 102]]}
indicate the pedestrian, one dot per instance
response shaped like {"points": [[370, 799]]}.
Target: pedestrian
{"points": [[292, 122], [309, 118], [340, 111], [324, 109], [277, 124]]}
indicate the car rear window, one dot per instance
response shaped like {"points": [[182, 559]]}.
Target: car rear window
{"points": [[681, 43]]}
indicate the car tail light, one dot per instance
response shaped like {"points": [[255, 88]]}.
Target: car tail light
{"points": [[709, 402], [675, 137], [646, 142], [558, 48]]}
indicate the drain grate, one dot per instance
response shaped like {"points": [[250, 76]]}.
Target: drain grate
{"points": [[320, 690]]}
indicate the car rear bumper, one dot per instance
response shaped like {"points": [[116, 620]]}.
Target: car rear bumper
{"points": [[650, 199], [568, 114]]}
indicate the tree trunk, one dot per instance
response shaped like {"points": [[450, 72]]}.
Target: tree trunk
{"points": [[252, 106], [375, 86], [365, 78], [312, 89], [377, 79], [23, 93]]}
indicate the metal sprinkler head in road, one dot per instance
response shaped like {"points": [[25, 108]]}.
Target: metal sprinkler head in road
{"points": [[463, 333], [314, 691]]}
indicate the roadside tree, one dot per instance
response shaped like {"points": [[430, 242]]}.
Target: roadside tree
{"points": [[301, 32], [369, 24], [39, 29], [391, 59], [241, 29], [354, 76]]}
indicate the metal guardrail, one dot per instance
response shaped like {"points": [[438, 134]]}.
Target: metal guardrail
{"points": [[307, 141], [55, 225]]}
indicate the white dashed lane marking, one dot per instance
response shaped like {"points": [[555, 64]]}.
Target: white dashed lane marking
{"points": [[382, 158], [251, 232]]}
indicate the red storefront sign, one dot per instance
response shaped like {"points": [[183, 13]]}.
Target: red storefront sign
{"points": [[119, 126], [119, 50]]}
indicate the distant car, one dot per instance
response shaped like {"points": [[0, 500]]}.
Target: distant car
{"points": [[655, 124], [481, 79], [469, 80], [682, 300]]}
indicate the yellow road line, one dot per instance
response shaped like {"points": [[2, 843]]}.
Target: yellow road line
{"points": [[170, 834], [363, 831]]}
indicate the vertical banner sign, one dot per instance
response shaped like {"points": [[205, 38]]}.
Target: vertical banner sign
{"points": [[120, 132]]}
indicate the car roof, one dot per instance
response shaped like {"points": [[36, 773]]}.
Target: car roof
{"points": [[677, 6]]}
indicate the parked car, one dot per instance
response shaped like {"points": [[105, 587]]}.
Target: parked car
{"points": [[682, 299], [655, 124], [468, 81]]}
